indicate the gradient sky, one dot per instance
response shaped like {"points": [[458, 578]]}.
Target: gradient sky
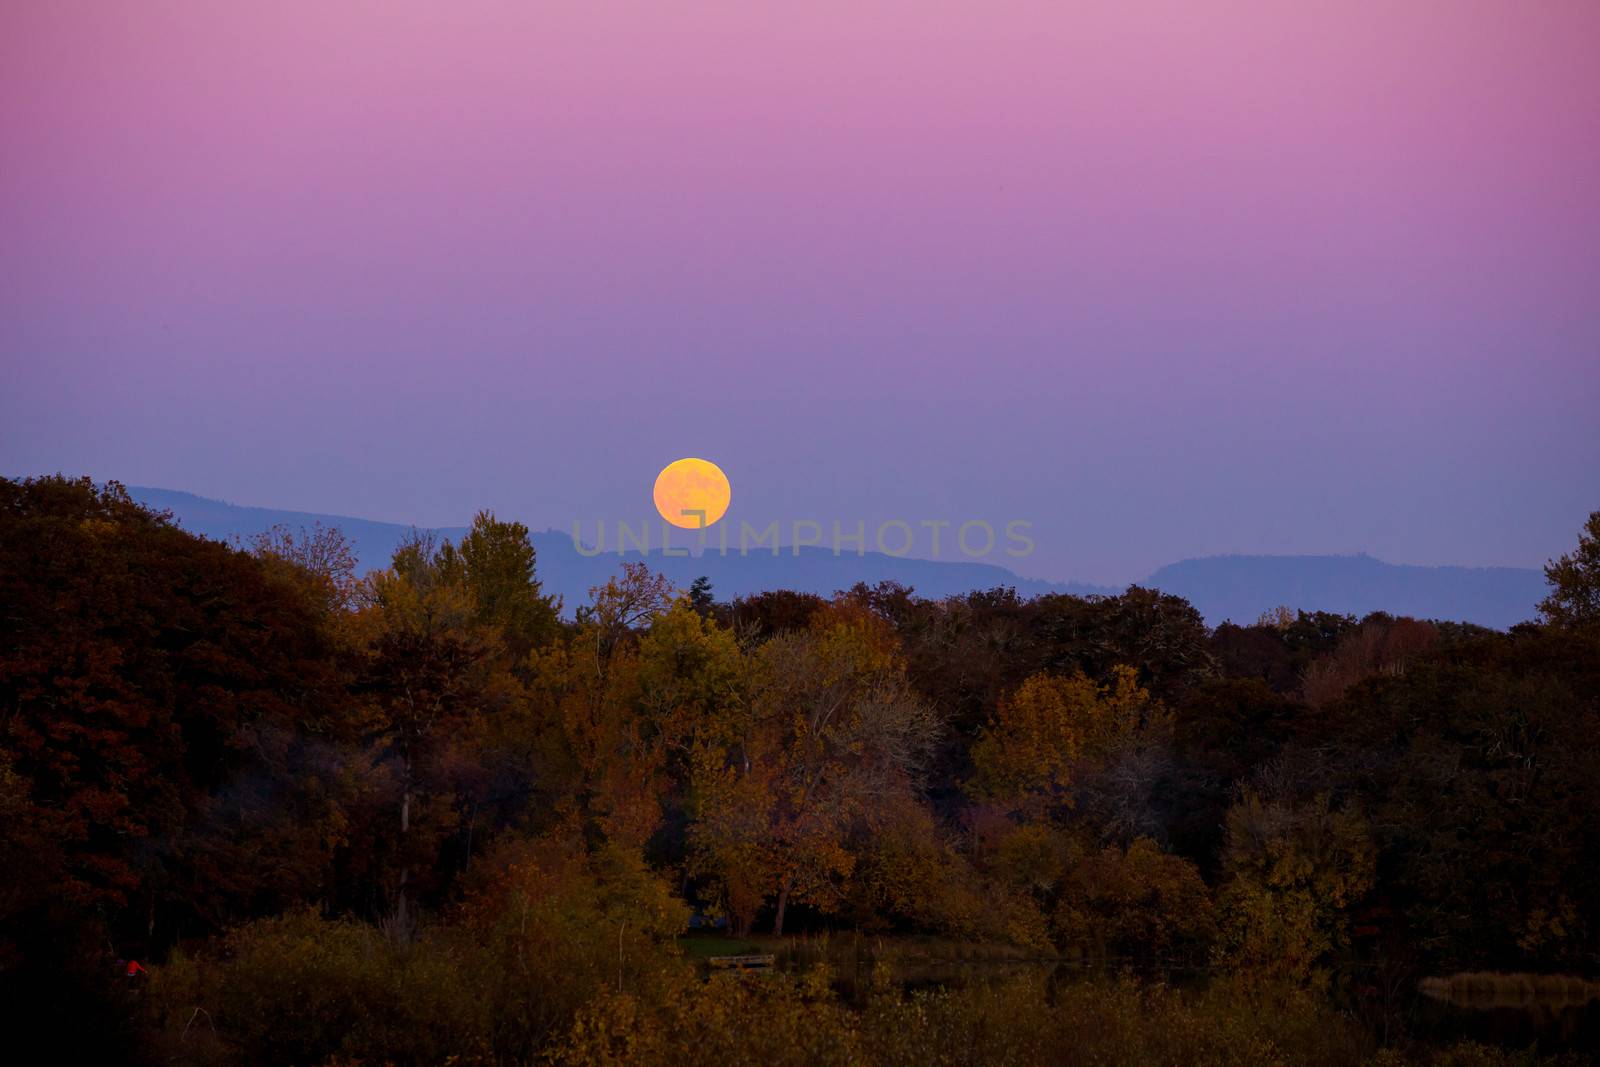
{"points": [[1165, 279]]}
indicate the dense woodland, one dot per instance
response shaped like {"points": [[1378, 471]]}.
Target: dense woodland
{"points": [[428, 813]]}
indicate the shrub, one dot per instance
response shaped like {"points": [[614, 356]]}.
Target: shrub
{"points": [[301, 989]]}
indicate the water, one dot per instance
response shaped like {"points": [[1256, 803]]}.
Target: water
{"points": [[1551, 1023]]}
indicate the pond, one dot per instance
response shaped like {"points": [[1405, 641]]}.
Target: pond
{"points": [[1511, 1011], [1510, 1018]]}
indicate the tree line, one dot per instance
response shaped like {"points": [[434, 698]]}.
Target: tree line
{"points": [[245, 765]]}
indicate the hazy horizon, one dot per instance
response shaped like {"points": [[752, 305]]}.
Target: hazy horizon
{"points": [[1139, 429], [1317, 279], [686, 541]]}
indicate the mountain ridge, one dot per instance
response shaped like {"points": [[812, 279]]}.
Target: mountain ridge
{"points": [[1236, 587]]}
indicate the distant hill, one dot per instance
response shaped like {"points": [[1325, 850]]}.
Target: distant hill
{"points": [[1242, 587], [564, 570], [1221, 587], [374, 541]]}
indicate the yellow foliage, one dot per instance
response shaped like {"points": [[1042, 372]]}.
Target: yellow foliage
{"points": [[1051, 729], [1293, 872]]}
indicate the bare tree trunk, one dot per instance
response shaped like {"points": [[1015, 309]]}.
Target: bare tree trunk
{"points": [[401, 924], [783, 905], [620, 931]]}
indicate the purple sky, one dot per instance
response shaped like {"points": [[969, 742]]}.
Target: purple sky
{"points": [[1163, 279]]}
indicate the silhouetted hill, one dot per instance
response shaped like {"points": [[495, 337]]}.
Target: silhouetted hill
{"points": [[374, 541], [1242, 587], [1221, 587], [564, 570]]}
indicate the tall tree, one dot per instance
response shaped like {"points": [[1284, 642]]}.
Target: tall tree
{"points": [[1049, 733], [830, 734], [496, 563], [595, 687], [158, 694], [700, 598], [322, 554], [1574, 598], [433, 672]]}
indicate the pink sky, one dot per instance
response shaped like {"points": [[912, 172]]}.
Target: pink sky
{"points": [[1164, 279]]}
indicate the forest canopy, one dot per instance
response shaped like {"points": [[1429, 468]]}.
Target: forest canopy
{"points": [[475, 829]]}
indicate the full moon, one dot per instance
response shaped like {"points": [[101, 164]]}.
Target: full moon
{"points": [[692, 493]]}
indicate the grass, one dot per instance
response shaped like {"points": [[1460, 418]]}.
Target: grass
{"points": [[704, 946], [853, 947]]}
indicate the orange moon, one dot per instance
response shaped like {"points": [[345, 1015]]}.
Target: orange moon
{"points": [[686, 488]]}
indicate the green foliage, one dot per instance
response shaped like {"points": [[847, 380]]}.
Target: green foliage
{"points": [[497, 561]]}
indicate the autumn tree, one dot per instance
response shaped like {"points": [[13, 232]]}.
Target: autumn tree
{"points": [[963, 654], [1293, 871], [1160, 635], [151, 682], [830, 732], [760, 615], [431, 674], [141, 667], [1574, 579], [910, 873], [322, 554], [1049, 733], [1476, 765], [591, 685], [495, 561], [1278, 649], [1381, 644], [1222, 731], [1134, 901]]}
